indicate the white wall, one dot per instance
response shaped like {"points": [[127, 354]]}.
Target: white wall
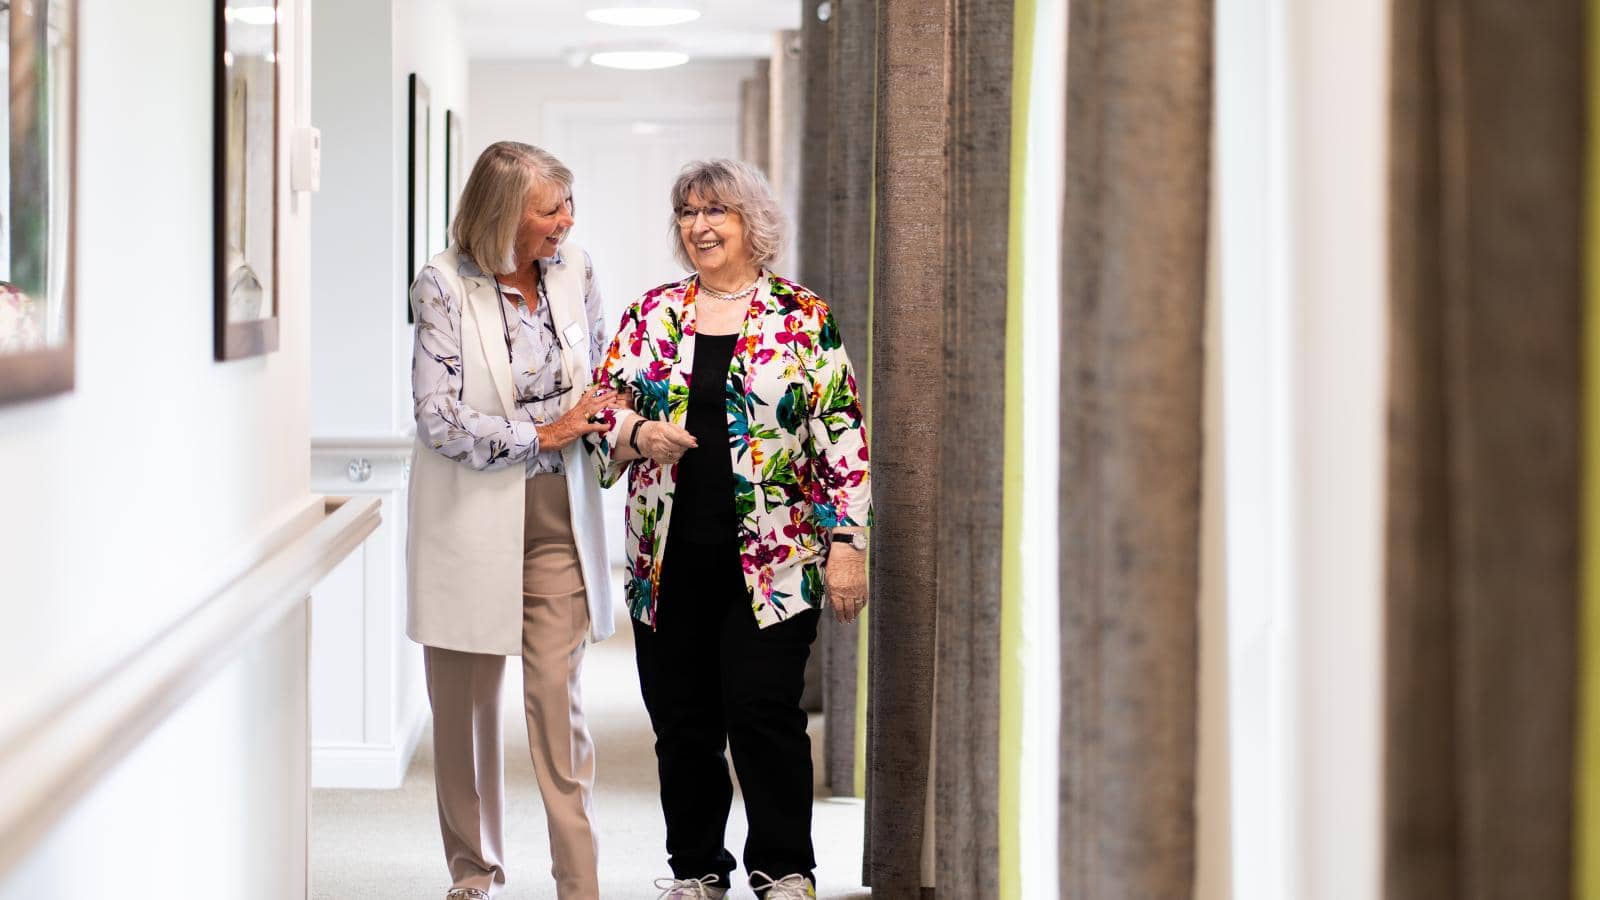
{"points": [[368, 698], [121, 496], [1039, 813], [361, 344], [1302, 109], [1250, 330], [358, 297], [1336, 131]]}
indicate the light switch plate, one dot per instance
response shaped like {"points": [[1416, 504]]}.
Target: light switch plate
{"points": [[305, 160]]}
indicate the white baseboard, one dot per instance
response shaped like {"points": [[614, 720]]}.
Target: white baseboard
{"points": [[368, 766]]}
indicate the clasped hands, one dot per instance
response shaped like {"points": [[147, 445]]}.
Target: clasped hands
{"points": [[662, 442], [575, 424]]}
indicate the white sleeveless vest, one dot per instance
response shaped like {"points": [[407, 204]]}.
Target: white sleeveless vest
{"points": [[464, 536]]}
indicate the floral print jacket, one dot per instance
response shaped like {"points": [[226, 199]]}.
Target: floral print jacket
{"points": [[795, 433]]}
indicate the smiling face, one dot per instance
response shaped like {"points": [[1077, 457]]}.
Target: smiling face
{"points": [[715, 249], [545, 222]]}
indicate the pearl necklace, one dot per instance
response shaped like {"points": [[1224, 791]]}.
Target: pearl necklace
{"points": [[732, 295]]}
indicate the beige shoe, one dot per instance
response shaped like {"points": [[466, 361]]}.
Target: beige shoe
{"points": [[701, 888], [789, 887]]}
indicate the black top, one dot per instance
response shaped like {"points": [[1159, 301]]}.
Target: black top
{"points": [[702, 505]]}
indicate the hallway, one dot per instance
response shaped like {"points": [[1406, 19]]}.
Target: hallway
{"points": [[385, 844]]}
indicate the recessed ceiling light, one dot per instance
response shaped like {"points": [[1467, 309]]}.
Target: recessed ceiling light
{"points": [[252, 15], [643, 16], [639, 59]]}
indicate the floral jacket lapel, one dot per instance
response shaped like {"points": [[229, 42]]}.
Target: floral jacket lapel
{"points": [[678, 353], [743, 428]]}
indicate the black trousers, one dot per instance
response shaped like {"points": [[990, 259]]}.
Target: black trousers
{"points": [[711, 678]]}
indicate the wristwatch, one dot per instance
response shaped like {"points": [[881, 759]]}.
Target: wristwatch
{"points": [[856, 539]]}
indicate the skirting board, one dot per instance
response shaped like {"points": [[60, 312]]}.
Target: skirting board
{"points": [[379, 767]]}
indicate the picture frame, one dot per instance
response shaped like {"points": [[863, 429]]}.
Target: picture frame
{"points": [[454, 160], [38, 176], [246, 84], [419, 184]]}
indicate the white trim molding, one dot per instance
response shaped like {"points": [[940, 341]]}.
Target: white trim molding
{"points": [[368, 703], [53, 758]]}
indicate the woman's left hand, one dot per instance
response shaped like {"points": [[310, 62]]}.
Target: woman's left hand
{"points": [[847, 582]]}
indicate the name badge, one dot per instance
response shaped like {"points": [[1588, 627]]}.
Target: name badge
{"points": [[573, 335]]}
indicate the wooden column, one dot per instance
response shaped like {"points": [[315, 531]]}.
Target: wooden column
{"points": [[853, 55], [972, 465], [907, 396], [1485, 448], [1138, 170]]}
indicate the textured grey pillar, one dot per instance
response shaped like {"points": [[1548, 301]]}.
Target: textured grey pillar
{"points": [[1138, 139], [786, 118], [811, 234], [972, 464], [907, 396], [817, 91], [755, 117], [1485, 452], [853, 57]]}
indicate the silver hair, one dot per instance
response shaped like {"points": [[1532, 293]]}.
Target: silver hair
{"points": [[743, 189], [495, 197]]}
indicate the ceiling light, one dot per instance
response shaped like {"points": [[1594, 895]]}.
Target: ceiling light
{"points": [[252, 15], [643, 16], [639, 59]]}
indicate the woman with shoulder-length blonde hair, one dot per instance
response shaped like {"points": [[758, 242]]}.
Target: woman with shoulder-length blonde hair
{"points": [[747, 512], [506, 547]]}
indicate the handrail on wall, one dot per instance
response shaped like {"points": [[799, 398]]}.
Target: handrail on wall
{"points": [[49, 764]]}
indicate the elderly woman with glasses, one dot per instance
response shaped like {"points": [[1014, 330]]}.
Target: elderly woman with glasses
{"points": [[506, 547], [747, 506]]}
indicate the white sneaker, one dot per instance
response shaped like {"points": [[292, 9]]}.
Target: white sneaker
{"points": [[690, 888], [789, 887]]}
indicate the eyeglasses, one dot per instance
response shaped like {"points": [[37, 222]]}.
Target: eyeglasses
{"points": [[561, 385], [715, 215], [530, 399]]}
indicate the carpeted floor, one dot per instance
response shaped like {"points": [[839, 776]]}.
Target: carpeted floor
{"points": [[385, 845]]}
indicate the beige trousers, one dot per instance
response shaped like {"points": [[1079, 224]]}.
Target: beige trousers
{"points": [[464, 690]]}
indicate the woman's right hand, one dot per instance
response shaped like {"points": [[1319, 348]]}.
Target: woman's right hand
{"points": [[665, 442], [575, 424]]}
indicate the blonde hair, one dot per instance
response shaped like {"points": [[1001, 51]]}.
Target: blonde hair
{"points": [[743, 189], [496, 196]]}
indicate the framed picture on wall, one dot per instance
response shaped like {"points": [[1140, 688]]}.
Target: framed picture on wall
{"points": [[454, 138], [38, 60], [245, 170], [419, 186]]}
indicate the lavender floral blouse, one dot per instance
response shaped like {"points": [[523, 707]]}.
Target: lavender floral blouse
{"points": [[795, 434], [474, 437]]}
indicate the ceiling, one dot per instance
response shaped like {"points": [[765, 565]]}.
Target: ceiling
{"points": [[557, 29]]}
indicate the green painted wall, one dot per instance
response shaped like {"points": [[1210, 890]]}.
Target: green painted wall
{"points": [[1587, 840], [1012, 671]]}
